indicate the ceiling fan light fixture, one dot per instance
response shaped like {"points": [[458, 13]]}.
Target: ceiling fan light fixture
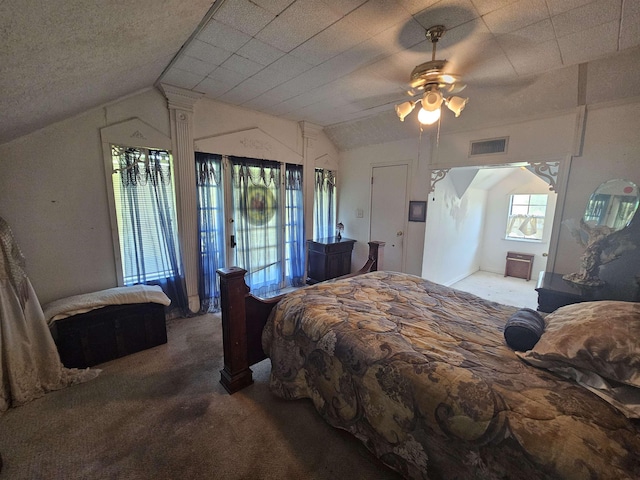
{"points": [[456, 104], [404, 109], [432, 100], [428, 117], [433, 80]]}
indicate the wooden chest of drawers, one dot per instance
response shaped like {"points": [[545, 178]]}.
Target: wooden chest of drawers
{"points": [[328, 258], [519, 265]]}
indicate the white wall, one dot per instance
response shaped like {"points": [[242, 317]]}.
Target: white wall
{"points": [[53, 195], [454, 231], [354, 190], [216, 120], [494, 244], [611, 149], [540, 139], [53, 190], [545, 138]]}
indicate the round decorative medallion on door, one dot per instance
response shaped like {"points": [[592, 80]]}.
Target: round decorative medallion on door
{"points": [[260, 205]]}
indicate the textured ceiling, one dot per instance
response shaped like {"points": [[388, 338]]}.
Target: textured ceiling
{"points": [[341, 64], [62, 57]]}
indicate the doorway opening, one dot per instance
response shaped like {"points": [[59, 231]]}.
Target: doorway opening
{"points": [[470, 214]]}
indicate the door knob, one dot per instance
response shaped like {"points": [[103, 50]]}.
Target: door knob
{"points": [[545, 254], [399, 234]]}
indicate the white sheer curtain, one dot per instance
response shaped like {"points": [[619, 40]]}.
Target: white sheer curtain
{"points": [[259, 235], [324, 205], [29, 362]]}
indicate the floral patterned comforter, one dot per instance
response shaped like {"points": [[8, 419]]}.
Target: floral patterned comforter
{"points": [[421, 374]]}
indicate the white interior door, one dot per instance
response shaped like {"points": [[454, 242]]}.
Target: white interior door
{"points": [[389, 212]]}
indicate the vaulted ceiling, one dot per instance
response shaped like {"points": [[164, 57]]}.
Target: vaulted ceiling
{"points": [[341, 64]]}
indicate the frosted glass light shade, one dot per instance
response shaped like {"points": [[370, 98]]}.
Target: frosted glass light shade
{"points": [[404, 109], [456, 104], [427, 117], [432, 100]]}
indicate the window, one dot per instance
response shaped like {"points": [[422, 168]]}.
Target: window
{"points": [[526, 216], [257, 214], [146, 212], [324, 204], [294, 227]]}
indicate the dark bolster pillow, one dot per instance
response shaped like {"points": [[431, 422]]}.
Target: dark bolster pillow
{"points": [[523, 329]]}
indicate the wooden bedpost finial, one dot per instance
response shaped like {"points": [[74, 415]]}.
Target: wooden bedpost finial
{"points": [[236, 373]]}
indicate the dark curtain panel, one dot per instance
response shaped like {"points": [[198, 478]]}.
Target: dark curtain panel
{"points": [[211, 228]]}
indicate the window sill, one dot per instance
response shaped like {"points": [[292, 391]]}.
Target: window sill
{"points": [[525, 240]]}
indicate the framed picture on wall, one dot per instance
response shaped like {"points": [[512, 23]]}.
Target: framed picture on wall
{"points": [[417, 211]]}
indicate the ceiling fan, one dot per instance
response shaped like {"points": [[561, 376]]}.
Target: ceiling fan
{"points": [[432, 78]]}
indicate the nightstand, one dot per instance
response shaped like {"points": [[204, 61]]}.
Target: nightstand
{"points": [[554, 292]]}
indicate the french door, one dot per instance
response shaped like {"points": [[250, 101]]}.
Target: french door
{"points": [[261, 224], [256, 226]]}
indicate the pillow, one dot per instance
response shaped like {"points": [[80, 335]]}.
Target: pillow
{"points": [[601, 337], [523, 329]]}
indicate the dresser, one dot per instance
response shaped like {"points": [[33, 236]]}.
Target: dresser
{"points": [[554, 292], [328, 258]]}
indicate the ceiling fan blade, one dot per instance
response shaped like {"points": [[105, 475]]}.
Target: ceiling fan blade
{"points": [[471, 53], [380, 100], [456, 88]]}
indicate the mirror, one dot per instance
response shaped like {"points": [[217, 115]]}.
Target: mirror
{"points": [[613, 204], [609, 210]]}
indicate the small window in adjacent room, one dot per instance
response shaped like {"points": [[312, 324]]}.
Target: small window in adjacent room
{"points": [[526, 217]]}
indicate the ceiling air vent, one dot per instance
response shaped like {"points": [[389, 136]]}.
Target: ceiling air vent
{"points": [[489, 147]]}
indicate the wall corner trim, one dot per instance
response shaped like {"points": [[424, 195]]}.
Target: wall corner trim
{"points": [[179, 98], [310, 130]]}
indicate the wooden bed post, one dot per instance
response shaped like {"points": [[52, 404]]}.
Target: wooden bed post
{"points": [[236, 373], [376, 252], [244, 317]]}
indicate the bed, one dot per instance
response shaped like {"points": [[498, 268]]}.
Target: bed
{"points": [[421, 374], [96, 327]]}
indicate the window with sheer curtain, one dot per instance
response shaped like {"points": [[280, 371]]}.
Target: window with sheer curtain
{"points": [[146, 217], [324, 204], [294, 227], [526, 217], [210, 205], [255, 193], [267, 231]]}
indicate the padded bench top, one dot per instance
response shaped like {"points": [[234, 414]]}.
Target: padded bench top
{"points": [[66, 307]]}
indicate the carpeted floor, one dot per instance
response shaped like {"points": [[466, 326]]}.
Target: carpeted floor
{"points": [[498, 288], [162, 414]]}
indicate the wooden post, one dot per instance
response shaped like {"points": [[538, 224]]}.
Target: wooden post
{"points": [[376, 251], [236, 373]]}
